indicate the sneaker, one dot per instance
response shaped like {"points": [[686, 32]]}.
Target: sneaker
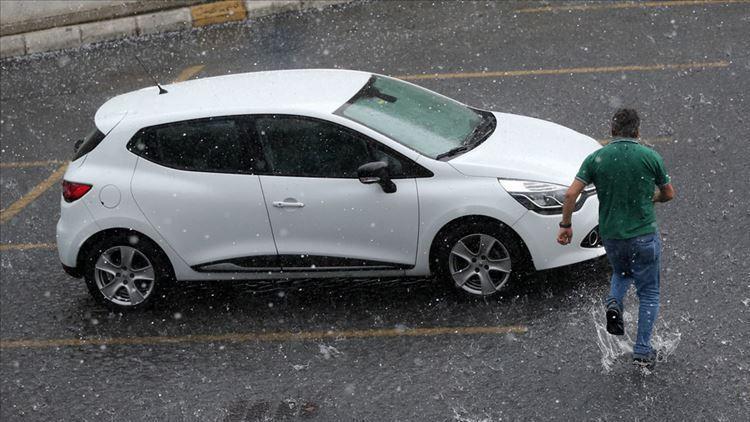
{"points": [[615, 325], [645, 361]]}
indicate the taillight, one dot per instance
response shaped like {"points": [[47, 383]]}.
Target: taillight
{"points": [[73, 191]]}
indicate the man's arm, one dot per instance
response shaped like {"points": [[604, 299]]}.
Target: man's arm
{"points": [[664, 193], [566, 234]]}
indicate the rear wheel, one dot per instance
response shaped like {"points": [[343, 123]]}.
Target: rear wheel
{"points": [[479, 258], [126, 272]]}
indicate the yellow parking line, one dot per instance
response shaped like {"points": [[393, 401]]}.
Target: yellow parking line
{"points": [[627, 5], [658, 139], [647, 141], [568, 71], [189, 72], [25, 246], [33, 194], [263, 337], [25, 164]]}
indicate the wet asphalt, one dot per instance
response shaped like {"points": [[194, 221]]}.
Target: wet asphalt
{"points": [[696, 118]]}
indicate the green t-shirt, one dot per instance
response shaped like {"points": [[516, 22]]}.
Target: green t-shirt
{"points": [[624, 173]]}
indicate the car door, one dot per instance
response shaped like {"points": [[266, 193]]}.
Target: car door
{"points": [[194, 183], [323, 218]]}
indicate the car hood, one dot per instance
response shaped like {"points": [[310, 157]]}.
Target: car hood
{"points": [[528, 149]]}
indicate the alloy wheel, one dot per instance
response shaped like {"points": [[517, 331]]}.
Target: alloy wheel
{"points": [[479, 264], [124, 275]]}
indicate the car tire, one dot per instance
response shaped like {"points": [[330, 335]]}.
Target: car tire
{"points": [[479, 257], [127, 272]]}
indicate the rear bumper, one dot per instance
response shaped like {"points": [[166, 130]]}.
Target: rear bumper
{"points": [[539, 232], [76, 224]]}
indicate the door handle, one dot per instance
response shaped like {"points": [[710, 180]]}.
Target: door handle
{"points": [[284, 204]]}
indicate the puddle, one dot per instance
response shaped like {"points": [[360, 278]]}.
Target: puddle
{"points": [[664, 339]]}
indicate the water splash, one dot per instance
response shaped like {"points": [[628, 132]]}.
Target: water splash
{"points": [[667, 343], [460, 416], [664, 340], [611, 347], [329, 352]]}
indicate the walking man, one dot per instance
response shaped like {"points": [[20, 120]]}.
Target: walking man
{"points": [[629, 179]]}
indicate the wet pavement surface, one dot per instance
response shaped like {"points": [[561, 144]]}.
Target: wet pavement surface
{"points": [[696, 117]]}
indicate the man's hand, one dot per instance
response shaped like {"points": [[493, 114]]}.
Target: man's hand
{"points": [[664, 193], [564, 236]]}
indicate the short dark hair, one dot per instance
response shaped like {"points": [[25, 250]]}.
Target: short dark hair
{"points": [[625, 123]]}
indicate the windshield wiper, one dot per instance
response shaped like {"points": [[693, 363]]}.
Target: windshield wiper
{"points": [[476, 137], [454, 151], [486, 123]]}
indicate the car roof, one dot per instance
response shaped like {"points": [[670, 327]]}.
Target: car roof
{"points": [[312, 90]]}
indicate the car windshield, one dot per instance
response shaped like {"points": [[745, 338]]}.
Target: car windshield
{"points": [[422, 120]]}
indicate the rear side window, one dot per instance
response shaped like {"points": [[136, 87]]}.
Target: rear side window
{"points": [[89, 143], [217, 145]]}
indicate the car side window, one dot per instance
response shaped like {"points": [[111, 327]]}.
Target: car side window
{"points": [[296, 146], [217, 145], [395, 165], [307, 147]]}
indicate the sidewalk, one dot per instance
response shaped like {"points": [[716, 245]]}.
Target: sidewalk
{"points": [[100, 27]]}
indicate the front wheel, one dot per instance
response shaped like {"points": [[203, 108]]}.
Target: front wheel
{"points": [[126, 273], [479, 258]]}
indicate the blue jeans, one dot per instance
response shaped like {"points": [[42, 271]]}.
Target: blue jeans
{"points": [[636, 260]]}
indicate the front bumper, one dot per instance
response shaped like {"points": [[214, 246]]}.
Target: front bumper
{"points": [[539, 232]]}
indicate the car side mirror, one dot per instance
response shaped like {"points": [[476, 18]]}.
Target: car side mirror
{"points": [[376, 172]]}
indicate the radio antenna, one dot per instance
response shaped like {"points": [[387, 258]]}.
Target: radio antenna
{"points": [[150, 75]]}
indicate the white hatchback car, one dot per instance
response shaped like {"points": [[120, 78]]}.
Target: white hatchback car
{"points": [[315, 173]]}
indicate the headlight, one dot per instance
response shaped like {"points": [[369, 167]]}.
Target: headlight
{"points": [[543, 198]]}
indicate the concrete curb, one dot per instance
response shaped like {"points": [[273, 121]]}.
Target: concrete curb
{"points": [[73, 36]]}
